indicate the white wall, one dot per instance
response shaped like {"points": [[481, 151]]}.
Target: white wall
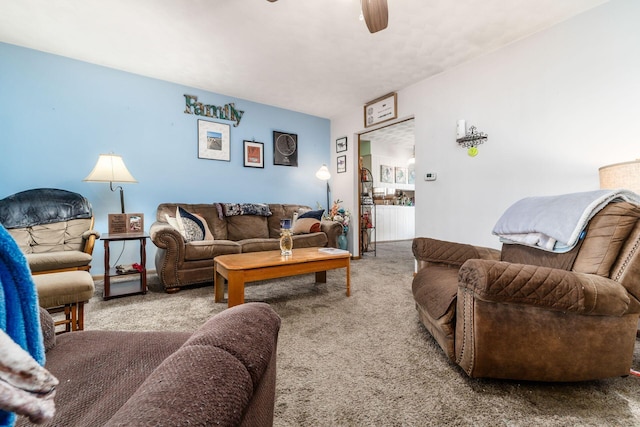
{"points": [[556, 105]]}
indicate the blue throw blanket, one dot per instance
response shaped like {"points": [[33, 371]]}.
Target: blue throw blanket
{"points": [[19, 313], [555, 223]]}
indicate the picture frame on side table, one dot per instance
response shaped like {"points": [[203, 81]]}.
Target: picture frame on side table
{"points": [[341, 144], [253, 154], [341, 164], [285, 149], [213, 141], [126, 223]]}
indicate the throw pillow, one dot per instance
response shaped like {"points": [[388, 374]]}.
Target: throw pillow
{"points": [[192, 226], [208, 235], [312, 214], [305, 226], [172, 222]]}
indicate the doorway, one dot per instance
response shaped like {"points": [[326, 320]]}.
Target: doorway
{"points": [[386, 190]]}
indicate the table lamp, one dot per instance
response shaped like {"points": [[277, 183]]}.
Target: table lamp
{"points": [[621, 175]]}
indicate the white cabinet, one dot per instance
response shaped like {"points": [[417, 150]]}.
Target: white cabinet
{"points": [[395, 222]]}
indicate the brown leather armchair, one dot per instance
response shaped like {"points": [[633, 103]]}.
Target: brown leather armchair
{"points": [[526, 314]]}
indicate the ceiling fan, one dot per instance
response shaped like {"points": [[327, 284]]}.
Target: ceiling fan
{"points": [[375, 13]]}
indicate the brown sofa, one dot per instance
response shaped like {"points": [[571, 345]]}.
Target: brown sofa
{"points": [[223, 374], [527, 314], [180, 263]]}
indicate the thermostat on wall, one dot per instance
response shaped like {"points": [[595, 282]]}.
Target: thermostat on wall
{"points": [[430, 176]]}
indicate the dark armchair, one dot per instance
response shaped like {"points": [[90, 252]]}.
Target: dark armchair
{"points": [[53, 228]]}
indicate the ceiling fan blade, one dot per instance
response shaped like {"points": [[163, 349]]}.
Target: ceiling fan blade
{"points": [[376, 14]]}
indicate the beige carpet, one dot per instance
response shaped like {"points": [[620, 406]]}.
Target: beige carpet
{"points": [[367, 361]]}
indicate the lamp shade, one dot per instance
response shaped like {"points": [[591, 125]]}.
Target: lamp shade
{"points": [[110, 168], [323, 173], [621, 175]]}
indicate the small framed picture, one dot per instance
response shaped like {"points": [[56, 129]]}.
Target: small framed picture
{"points": [[126, 223], [342, 164], [341, 144], [213, 140], [401, 175], [386, 174], [411, 175], [253, 154], [285, 149]]}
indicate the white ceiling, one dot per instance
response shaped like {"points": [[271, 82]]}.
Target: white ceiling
{"points": [[401, 135], [311, 56]]}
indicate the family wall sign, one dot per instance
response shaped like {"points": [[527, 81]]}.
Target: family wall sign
{"points": [[225, 112]]}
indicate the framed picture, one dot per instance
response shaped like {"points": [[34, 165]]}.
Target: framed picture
{"points": [[253, 154], [401, 175], [126, 223], [342, 164], [341, 144], [285, 149], [381, 110], [213, 140], [386, 174], [411, 176]]}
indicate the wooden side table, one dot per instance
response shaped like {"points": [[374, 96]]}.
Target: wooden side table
{"points": [[126, 288]]}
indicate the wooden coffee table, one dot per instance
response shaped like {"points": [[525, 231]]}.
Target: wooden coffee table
{"points": [[250, 267]]}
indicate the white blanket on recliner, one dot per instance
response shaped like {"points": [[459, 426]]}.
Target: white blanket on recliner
{"points": [[555, 223]]}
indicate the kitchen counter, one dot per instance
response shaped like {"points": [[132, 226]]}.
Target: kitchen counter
{"points": [[395, 222]]}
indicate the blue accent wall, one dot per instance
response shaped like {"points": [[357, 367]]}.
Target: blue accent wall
{"points": [[57, 115]]}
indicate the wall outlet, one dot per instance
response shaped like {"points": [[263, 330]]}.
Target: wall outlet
{"points": [[430, 176]]}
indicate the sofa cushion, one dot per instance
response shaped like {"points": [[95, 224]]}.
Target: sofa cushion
{"points": [[312, 214], [74, 233], [209, 249], [306, 226], [259, 245], [58, 289], [48, 237], [435, 289], [22, 236], [242, 227], [57, 260]]}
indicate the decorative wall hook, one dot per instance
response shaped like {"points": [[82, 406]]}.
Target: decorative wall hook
{"points": [[471, 140]]}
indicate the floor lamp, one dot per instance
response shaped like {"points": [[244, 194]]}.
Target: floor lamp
{"points": [[324, 175], [111, 168]]}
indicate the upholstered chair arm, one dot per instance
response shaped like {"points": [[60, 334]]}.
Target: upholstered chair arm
{"points": [[48, 329], [545, 287], [90, 237], [166, 237], [431, 251], [333, 230]]}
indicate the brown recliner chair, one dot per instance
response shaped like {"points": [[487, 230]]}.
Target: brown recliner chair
{"points": [[527, 314]]}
